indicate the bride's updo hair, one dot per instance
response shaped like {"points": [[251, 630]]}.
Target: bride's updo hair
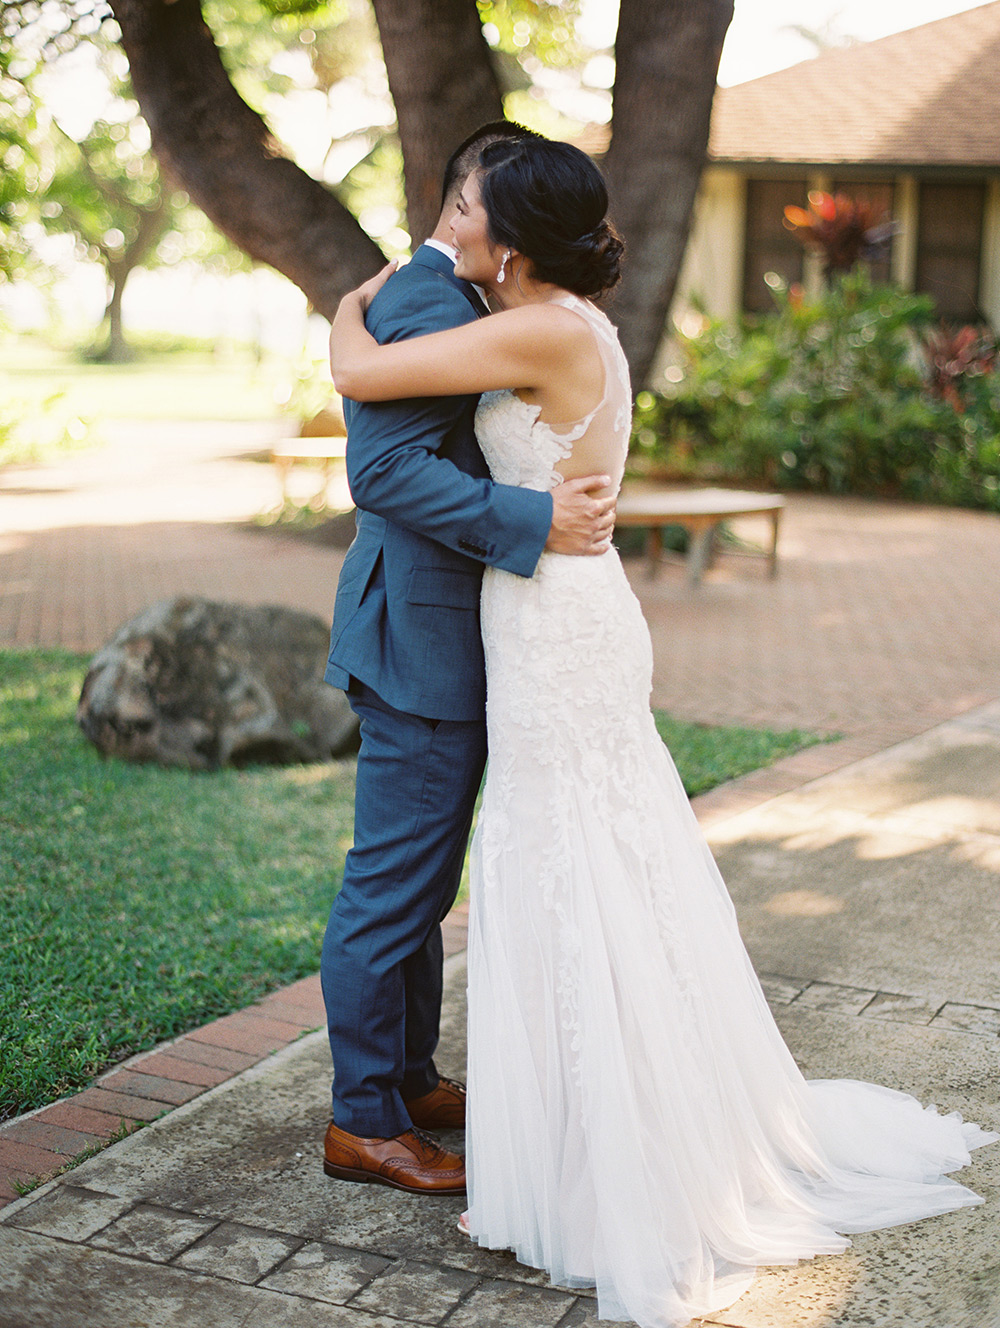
{"points": [[549, 201]]}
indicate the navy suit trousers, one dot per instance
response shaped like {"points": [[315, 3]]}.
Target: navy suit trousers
{"points": [[417, 783]]}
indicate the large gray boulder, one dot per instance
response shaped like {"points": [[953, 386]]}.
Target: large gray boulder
{"points": [[203, 684]]}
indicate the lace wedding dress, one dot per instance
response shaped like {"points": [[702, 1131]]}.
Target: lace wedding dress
{"points": [[635, 1119]]}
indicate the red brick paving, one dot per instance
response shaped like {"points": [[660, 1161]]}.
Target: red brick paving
{"points": [[157, 1088], [23, 1161], [203, 1053], [53, 1138], [882, 615], [287, 1012], [881, 622], [307, 991], [87, 544], [125, 1105], [70, 1113], [253, 1034], [301, 1003], [8, 1191], [182, 1071]]}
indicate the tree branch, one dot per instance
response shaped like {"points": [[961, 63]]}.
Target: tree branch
{"points": [[151, 224], [442, 80], [223, 154]]}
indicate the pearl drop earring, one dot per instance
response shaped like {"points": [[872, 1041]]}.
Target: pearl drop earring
{"points": [[501, 275]]}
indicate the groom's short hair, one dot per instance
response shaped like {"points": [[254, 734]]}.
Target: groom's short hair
{"points": [[465, 158]]}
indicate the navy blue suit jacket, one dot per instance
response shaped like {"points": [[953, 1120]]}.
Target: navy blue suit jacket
{"points": [[406, 619]]}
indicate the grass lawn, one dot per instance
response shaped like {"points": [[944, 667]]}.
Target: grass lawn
{"points": [[706, 755], [138, 902], [158, 385]]}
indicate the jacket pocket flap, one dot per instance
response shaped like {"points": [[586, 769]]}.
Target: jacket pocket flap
{"points": [[444, 587]]}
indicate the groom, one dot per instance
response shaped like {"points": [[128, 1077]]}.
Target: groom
{"points": [[406, 647]]}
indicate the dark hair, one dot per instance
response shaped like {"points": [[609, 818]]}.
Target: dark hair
{"points": [[549, 201], [464, 160]]}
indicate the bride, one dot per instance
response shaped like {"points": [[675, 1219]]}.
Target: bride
{"points": [[635, 1121]]}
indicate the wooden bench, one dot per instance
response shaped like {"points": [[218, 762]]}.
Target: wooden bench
{"points": [[330, 452], [700, 512]]}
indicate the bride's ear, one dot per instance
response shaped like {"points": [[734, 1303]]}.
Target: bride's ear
{"points": [[519, 267]]}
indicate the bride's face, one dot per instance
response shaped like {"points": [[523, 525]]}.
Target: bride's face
{"points": [[478, 260]]}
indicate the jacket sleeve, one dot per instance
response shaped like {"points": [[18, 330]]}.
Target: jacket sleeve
{"points": [[393, 465]]}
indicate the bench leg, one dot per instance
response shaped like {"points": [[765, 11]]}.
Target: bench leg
{"points": [[773, 554], [699, 553], [318, 501], [283, 466], [654, 547]]}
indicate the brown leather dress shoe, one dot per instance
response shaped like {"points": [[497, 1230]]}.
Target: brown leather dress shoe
{"points": [[412, 1161], [443, 1108]]}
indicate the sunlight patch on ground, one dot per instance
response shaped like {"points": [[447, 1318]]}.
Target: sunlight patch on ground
{"points": [[797, 828], [953, 811], [803, 904], [981, 852], [304, 775]]}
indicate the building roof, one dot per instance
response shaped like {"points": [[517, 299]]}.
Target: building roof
{"points": [[926, 97]]}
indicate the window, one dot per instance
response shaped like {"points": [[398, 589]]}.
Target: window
{"points": [[949, 243], [880, 194], [769, 246]]}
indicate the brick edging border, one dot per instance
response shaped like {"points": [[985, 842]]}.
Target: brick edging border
{"points": [[34, 1147], [37, 1145]]}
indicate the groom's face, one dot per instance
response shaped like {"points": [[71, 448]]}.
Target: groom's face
{"points": [[478, 259]]}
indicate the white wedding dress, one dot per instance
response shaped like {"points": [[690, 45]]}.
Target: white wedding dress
{"points": [[636, 1122]]}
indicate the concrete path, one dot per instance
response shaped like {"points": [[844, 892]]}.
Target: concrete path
{"points": [[865, 874]]}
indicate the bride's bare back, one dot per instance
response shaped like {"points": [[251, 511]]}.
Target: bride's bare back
{"points": [[595, 443]]}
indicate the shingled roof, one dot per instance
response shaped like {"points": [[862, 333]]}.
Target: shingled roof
{"points": [[926, 97]]}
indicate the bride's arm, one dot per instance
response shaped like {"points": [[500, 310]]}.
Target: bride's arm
{"points": [[519, 348]]}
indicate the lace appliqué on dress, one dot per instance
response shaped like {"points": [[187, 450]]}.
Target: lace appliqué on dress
{"points": [[526, 456]]}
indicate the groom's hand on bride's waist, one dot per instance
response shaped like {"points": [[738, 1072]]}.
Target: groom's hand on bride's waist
{"points": [[582, 520]]}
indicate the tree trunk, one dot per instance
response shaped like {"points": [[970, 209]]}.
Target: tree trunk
{"points": [[444, 86], [116, 349], [667, 57], [150, 226], [222, 153]]}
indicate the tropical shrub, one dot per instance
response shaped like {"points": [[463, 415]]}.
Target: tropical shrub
{"points": [[956, 357], [844, 231], [830, 393]]}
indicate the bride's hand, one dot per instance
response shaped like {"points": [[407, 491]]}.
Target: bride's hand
{"points": [[349, 340], [367, 292]]}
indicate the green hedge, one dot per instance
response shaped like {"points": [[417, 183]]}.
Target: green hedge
{"points": [[828, 394]]}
